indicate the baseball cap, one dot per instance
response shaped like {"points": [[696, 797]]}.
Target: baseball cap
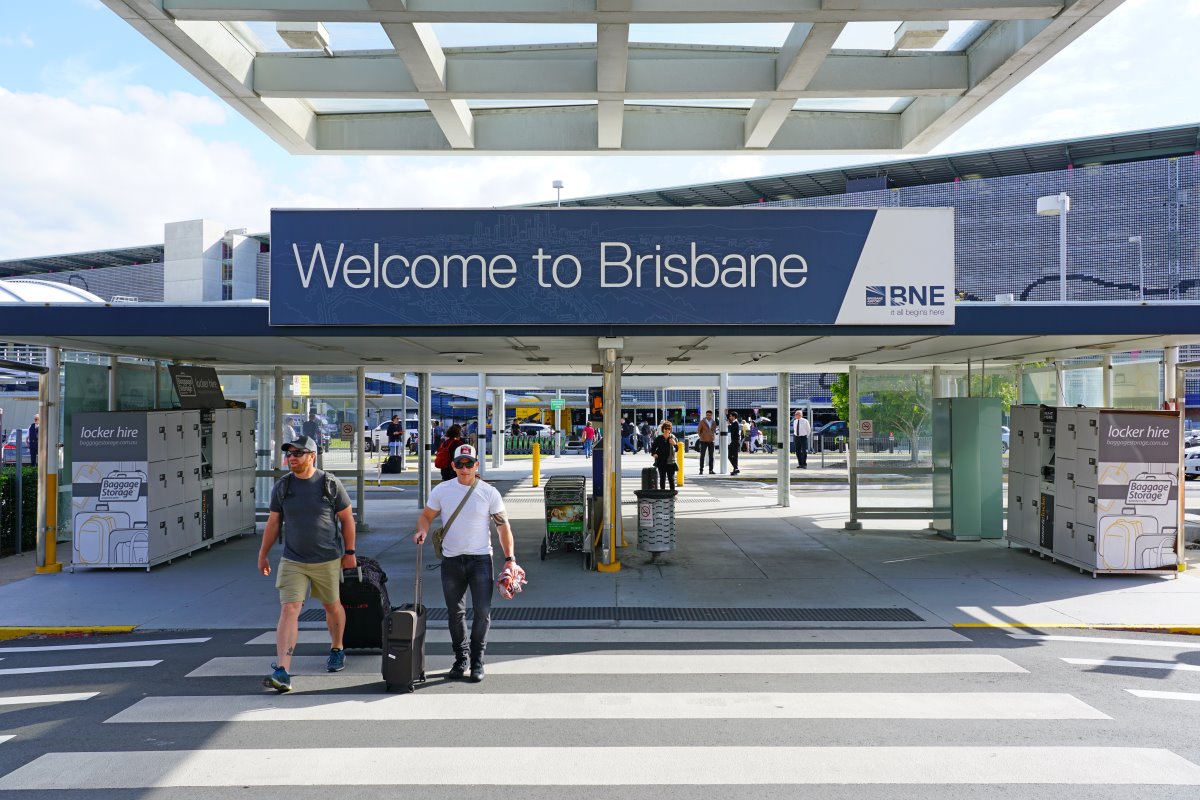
{"points": [[464, 451], [303, 443]]}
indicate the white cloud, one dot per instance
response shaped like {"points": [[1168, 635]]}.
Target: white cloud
{"points": [[95, 176], [22, 39]]}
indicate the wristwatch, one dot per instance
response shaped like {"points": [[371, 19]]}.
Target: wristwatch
{"points": [[509, 558], [349, 552]]}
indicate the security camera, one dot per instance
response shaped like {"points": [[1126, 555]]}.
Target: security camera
{"points": [[756, 357], [460, 358]]}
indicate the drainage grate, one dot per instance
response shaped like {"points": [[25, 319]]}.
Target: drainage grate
{"points": [[651, 614]]}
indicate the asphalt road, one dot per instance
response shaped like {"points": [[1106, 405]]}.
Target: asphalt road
{"points": [[576, 713]]}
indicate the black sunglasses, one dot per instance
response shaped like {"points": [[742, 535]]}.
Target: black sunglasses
{"points": [[298, 453], [463, 464]]}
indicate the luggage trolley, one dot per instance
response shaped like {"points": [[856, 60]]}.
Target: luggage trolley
{"points": [[566, 514]]}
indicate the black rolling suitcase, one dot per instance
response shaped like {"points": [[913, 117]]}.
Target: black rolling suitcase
{"points": [[364, 595], [649, 478], [404, 640]]}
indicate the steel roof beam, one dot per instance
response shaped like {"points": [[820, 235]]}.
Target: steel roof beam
{"points": [[802, 55], [612, 74], [589, 12], [589, 74]]}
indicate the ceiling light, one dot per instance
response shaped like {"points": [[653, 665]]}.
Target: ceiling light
{"points": [[673, 359], [460, 356], [844, 358]]}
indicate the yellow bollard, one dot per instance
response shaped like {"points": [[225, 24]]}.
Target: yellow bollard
{"points": [[537, 464], [679, 463], [51, 532]]}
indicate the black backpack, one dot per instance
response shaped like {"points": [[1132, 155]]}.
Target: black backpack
{"points": [[391, 465]]}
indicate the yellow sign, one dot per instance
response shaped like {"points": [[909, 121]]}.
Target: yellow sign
{"points": [[300, 385]]}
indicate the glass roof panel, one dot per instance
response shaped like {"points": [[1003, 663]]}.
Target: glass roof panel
{"points": [[461, 35], [765, 34]]}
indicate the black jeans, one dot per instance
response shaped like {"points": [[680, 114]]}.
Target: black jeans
{"points": [[460, 573], [707, 448], [666, 474]]}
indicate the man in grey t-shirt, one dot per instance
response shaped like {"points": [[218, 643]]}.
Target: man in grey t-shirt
{"points": [[309, 506]]}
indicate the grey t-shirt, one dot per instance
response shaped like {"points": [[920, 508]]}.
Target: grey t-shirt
{"points": [[311, 533]]}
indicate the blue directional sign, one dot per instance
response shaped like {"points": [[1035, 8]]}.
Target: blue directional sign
{"points": [[744, 266]]}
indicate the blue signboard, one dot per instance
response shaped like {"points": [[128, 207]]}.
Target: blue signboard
{"points": [[620, 266]]}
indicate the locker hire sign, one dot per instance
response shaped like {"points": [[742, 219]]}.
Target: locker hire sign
{"points": [[742, 266]]}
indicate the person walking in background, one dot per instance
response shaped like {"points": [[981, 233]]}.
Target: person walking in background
{"points": [[628, 431], [308, 506], [801, 430], [444, 457], [754, 441], [435, 438], [467, 556], [32, 438], [706, 436], [735, 441], [589, 439], [663, 450]]}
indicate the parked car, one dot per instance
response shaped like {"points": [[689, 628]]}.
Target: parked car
{"points": [[376, 439], [1191, 438], [535, 429], [10, 448], [826, 436], [1191, 463], [1003, 438]]}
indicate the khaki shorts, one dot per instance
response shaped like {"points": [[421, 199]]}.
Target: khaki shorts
{"points": [[295, 578]]}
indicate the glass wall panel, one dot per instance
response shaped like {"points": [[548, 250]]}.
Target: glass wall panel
{"points": [[1084, 387], [1137, 385], [1040, 387]]}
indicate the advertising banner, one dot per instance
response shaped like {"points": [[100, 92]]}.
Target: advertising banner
{"points": [[1137, 496], [109, 488], [742, 266]]}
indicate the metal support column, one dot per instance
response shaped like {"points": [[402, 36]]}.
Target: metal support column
{"points": [[277, 424], [49, 399], [157, 383], [783, 425], [722, 423], [853, 524], [360, 414], [403, 421], [1170, 362], [610, 531], [1060, 384], [425, 441], [481, 424], [1106, 380], [112, 383], [559, 431], [499, 420], [1020, 384]]}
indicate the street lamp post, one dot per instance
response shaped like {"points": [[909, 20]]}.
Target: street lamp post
{"points": [[1141, 268], [558, 186], [1058, 205]]}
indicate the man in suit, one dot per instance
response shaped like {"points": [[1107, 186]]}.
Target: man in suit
{"points": [[801, 429]]}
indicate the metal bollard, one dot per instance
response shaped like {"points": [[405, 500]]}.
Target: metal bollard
{"points": [[679, 464], [537, 464]]}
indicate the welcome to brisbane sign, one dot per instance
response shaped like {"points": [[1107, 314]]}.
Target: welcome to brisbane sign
{"points": [[744, 266]]}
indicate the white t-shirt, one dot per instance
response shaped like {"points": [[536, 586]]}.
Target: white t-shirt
{"points": [[471, 533]]}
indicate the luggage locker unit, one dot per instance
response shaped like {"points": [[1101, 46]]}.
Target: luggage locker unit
{"points": [[143, 486], [1097, 488]]}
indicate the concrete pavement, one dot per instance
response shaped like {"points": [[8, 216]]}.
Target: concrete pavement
{"points": [[736, 550]]}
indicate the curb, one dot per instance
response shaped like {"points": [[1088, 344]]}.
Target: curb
{"points": [[11, 632], [1189, 630]]}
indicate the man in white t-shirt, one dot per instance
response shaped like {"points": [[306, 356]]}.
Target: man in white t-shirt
{"points": [[467, 556]]}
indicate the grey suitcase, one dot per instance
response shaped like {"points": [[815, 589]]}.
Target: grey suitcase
{"points": [[404, 640]]}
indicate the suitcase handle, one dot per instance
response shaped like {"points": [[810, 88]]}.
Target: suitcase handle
{"points": [[356, 571], [417, 582]]}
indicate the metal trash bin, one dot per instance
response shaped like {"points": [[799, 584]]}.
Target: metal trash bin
{"points": [[656, 521], [566, 514]]}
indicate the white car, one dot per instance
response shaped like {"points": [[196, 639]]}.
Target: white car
{"points": [[376, 438], [1191, 463], [535, 429]]}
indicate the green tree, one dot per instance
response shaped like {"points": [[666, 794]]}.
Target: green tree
{"points": [[903, 408], [999, 385], [839, 395]]}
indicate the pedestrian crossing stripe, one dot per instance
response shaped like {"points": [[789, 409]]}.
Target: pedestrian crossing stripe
{"points": [[102, 645], [594, 766], [4, 739], [1040, 637], [639, 663], [1117, 662], [612, 706], [1151, 694], [40, 699], [79, 667], [779, 637]]}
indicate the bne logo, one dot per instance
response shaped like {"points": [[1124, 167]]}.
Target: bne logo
{"points": [[906, 295]]}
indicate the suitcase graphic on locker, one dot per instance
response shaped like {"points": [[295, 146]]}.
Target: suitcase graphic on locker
{"points": [[130, 545], [92, 529], [1119, 537]]}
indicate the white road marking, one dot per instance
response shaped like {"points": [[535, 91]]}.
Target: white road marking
{"points": [[551, 706], [77, 667], [1116, 662], [673, 635], [146, 643], [1037, 637], [4, 739], [648, 664], [1155, 695], [35, 699], [594, 766]]}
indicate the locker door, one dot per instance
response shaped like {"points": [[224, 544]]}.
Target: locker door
{"points": [[158, 490], [1016, 511], [1088, 436], [1065, 431], [190, 429], [222, 502], [220, 436], [156, 436]]}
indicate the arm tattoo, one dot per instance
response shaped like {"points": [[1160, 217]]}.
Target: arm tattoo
{"points": [[499, 519]]}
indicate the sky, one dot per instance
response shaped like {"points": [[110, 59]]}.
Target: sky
{"points": [[103, 138]]}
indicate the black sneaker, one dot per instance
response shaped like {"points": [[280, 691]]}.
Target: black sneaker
{"points": [[459, 670], [477, 672]]}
